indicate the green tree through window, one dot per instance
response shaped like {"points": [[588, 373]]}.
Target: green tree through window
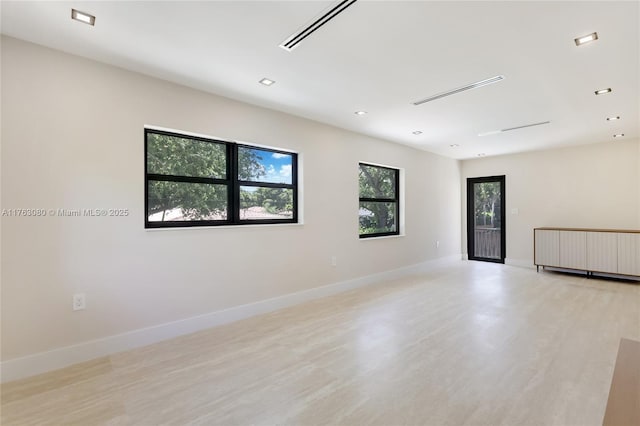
{"points": [[487, 204]]}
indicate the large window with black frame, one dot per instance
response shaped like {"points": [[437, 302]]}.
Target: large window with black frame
{"points": [[379, 210], [198, 181]]}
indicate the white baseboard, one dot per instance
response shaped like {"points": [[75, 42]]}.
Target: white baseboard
{"points": [[523, 263], [42, 362]]}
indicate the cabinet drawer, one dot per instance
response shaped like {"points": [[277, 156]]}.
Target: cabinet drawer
{"points": [[573, 250], [547, 247], [629, 254], [602, 252]]}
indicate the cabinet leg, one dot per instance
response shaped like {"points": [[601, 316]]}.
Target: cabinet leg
{"points": [[537, 268]]}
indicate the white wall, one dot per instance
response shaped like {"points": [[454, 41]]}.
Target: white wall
{"points": [[589, 186], [72, 137]]}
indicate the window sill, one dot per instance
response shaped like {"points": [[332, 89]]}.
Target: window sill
{"points": [[381, 237], [195, 228]]}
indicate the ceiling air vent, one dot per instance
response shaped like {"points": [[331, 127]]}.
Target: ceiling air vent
{"points": [[508, 129], [526, 125], [294, 39], [461, 89]]}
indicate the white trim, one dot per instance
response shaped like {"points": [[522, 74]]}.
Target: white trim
{"points": [[465, 256], [42, 362], [216, 138], [380, 237], [386, 166], [235, 227], [523, 263]]}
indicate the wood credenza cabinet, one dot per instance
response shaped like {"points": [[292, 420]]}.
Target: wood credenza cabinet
{"points": [[608, 251]]}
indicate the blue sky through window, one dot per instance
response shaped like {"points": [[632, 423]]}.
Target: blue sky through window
{"points": [[277, 167]]}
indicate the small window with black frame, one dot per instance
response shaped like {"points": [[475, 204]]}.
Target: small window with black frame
{"points": [[379, 209]]}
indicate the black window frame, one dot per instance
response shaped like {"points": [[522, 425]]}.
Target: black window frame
{"points": [[395, 200], [231, 181]]}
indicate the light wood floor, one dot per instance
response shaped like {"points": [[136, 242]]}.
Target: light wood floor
{"points": [[476, 344]]}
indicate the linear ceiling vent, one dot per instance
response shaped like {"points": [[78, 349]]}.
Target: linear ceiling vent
{"points": [[294, 39], [495, 132], [475, 85]]}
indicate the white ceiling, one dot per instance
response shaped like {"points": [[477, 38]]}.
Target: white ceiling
{"points": [[380, 56]]}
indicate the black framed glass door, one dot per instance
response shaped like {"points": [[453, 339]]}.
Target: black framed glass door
{"points": [[486, 218]]}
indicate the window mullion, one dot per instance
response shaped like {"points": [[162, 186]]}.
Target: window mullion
{"points": [[265, 184], [234, 186], [185, 179], [378, 200]]}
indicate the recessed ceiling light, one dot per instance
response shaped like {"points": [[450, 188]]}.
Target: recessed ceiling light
{"points": [[454, 145], [603, 91], [360, 112], [619, 135], [586, 39], [613, 118], [266, 81], [85, 18], [417, 132]]}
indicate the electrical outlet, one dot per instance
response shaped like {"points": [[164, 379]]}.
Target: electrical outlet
{"points": [[334, 261], [79, 302]]}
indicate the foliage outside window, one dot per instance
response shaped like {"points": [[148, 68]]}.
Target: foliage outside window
{"points": [[379, 210], [487, 205], [195, 181]]}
